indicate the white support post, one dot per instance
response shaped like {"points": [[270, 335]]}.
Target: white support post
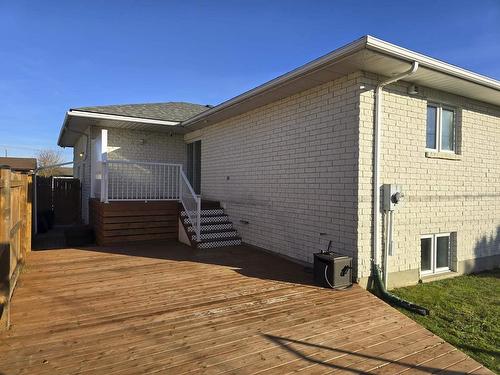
{"points": [[104, 168]]}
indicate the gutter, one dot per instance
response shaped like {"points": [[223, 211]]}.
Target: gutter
{"points": [[63, 129], [377, 141], [389, 49], [295, 74], [102, 116], [368, 43]]}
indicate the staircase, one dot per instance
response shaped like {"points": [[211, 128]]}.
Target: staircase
{"points": [[216, 229]]}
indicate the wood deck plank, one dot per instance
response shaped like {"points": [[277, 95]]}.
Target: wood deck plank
{"points": [[163, 308]]}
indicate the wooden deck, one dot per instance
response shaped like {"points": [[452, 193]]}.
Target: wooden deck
{"points": [[169, 309]]}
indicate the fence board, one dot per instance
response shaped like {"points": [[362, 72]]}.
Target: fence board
{"points": [[15, 234], [61, 196]]}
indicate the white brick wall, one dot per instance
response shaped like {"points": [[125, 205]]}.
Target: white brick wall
{"points": [[139, 145], [142, 181], [461, 196], [300, 171], [131, 145], [289, 169]]}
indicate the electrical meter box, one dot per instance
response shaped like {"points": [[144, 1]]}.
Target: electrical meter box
{"points": [[392, 196]]}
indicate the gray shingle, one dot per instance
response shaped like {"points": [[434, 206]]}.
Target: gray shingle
{"points": [[171, 111]]}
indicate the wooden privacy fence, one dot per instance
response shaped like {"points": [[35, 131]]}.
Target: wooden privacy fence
{"points": [[15, 234], [60, 196]]}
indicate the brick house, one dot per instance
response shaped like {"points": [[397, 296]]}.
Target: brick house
{"points": [[305, 159]]}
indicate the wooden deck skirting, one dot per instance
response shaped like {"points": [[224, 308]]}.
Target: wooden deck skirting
{"points": [[124, 221], [166, 308]]}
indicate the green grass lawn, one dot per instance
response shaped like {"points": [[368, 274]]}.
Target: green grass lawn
{"points": [[465, 311]]}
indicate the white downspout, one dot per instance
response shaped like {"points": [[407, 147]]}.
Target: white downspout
{"points": [[376, 158]]}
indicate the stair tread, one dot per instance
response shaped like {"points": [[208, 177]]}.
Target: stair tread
{"points": [[218, 231], [221, 239], [209, 216], [206, 214], [216, 244], [216, 223], [214, 235]]}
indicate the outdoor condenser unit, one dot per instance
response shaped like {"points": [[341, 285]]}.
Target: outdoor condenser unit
{"points": [[332, 270]]}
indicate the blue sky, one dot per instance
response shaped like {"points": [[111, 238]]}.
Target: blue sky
{"points": [[57, 55]]}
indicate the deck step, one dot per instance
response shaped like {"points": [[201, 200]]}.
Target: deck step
{"points": [[211, 212], [212, 227], [236, 241], [216, 229], [209, 219], [216, 234]]}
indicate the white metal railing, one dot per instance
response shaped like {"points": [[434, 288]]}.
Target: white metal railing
{"points": [[191, 203], [139, 181], [125, 180]]}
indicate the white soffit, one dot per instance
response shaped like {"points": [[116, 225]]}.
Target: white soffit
{"points": [[368, 54], [429, 77], [79, 124]]}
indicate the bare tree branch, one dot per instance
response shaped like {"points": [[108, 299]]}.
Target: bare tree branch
{"points": [[47, 157]]}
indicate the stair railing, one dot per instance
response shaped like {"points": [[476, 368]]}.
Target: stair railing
{"points": [[191, 203]]}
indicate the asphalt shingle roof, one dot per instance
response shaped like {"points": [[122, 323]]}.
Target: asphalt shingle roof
{"points": [[171, 111], [19, 164]]}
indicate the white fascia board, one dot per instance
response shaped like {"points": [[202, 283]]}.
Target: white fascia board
{"points": [[368, 43], [63, 129], [348, 49], [102, 116], [390, 49]]}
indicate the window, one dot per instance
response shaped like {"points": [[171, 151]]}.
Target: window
{"points": [[440, 134], [435, 253]]}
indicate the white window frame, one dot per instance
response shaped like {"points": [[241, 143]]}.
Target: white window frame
{"points": [[439, 123], [434, 269]]}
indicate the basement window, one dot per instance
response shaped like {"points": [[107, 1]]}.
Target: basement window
{"points": [[441, 128], [435, 253]]}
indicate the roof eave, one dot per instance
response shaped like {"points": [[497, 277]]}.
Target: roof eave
{"points": [[100, 116], [105, 116], [365, 43], [61, 132], [404, 54], [350, 48]]}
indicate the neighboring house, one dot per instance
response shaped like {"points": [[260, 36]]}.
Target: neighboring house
{"points": [[19, 164], [301, 160], [63, 172]]}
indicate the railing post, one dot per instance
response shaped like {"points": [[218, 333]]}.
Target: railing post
{"points": [[198, 219], [104, 182], [180, 183], [106, 179]]}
